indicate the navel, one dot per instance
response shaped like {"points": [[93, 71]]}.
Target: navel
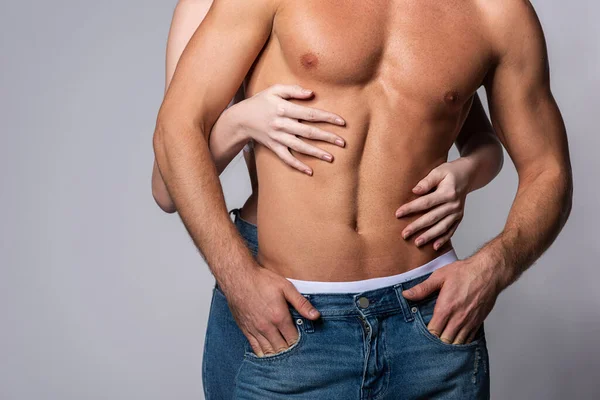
{"points": [[309, 60]]}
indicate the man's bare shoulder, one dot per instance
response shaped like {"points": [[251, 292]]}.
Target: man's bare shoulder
{"points": [[259, 5], [205, 3], [511, 24]]}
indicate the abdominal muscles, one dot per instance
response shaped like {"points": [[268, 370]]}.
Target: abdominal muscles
{"points": [[339, 224]]}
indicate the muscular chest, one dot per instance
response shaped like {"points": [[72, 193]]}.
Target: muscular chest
{"points": [[424, 50]]}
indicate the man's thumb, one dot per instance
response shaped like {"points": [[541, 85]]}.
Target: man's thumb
{"points": [[300, 303], [423, 289]]}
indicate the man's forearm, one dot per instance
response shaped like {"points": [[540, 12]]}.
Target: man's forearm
{"points": [[190, 175], [539, 212], [226, 140]]}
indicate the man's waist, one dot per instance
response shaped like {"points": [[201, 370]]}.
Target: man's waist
{"points": [[331, 253]]}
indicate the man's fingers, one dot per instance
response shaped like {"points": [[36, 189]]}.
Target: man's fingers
{"points": [[462, 336], [450, 331], [290, 91], [255, 343], [300, 303], [423, 289], [438, 321], [289, 331], [471, 336], [277, 341], [265, 345]]}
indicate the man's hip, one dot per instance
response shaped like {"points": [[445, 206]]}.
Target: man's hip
{"points": [[368, 345]]}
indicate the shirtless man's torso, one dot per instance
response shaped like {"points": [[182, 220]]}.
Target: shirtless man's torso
{"points": [[402, 74]]}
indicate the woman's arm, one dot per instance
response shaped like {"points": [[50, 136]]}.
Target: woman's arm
{"points": [[267, 117], [481, 160], [479, 148]]}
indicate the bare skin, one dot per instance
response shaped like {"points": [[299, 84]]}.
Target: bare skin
{"points": [[257, 119], [403, 76]]}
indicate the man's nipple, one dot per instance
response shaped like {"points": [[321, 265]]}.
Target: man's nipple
{"points": [[451, 97], [309, 60]]}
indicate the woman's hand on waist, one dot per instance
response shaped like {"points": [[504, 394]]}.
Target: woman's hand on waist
{"points": [[445, 204]]}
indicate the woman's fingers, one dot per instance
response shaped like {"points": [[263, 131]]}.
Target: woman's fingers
{"points": [[283, 153], [428, 219], [296, 111], [440, 242], [290, 91], [430, 181], [300, 146], [423, 203], [310, 132], [437, 230]]}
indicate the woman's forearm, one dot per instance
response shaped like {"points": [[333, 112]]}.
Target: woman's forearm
{"points": [[480, 149], [483, 156], [227, 137], [160, 192]]}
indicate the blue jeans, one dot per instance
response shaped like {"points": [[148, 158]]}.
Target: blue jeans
{"points": [[369, 345]]}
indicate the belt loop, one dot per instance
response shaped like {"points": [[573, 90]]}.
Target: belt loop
{"points": [[408, 316], [234, 211]]}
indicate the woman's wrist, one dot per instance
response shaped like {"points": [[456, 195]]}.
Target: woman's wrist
{"points": [[235, 123], [468, 169]]}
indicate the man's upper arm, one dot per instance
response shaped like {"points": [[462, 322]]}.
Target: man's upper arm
{"points": [[216, 60], [524, 113]]}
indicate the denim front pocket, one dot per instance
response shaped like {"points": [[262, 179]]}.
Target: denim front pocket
{"points": [[423, 311], [275, 356]]}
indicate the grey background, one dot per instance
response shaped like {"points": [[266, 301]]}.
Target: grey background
{"points": [[103, 296]]}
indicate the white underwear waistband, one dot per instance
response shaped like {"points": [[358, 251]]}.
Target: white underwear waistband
{"points": [[307, 287]]}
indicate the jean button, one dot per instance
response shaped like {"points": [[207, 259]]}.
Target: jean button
{"points": [[363, 302]]}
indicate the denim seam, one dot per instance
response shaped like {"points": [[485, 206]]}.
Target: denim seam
{"points": [[366, 353], [204, 363], [387, 361], [408, 317], [237, 374], [476, 365], [485, 355]]}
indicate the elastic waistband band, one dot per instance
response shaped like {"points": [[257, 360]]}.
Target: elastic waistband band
{"points": [[321, 287]]}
